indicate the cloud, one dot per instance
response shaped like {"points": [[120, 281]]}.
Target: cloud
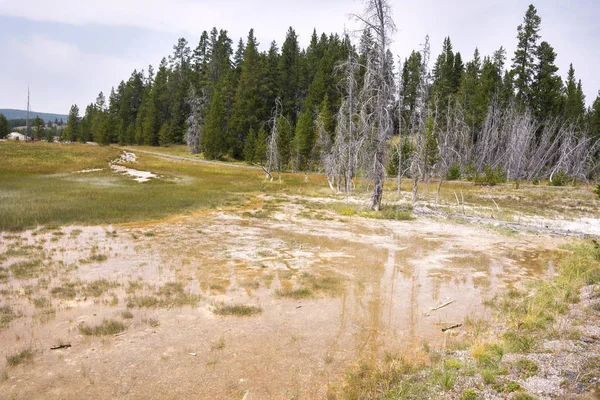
{"points": [[58, 73], [569, 26]]}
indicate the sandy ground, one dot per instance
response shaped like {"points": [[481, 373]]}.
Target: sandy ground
{"points": [[371, 286]]}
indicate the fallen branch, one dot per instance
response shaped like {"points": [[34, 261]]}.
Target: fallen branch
{"points": [[266, 171], [451, 327], [60, 346], [442, 305]]}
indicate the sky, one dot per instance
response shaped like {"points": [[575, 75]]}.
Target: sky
{"points": [[67, 51]]}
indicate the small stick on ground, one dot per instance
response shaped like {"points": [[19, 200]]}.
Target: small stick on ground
{"points": [[442, 305], [451, 327], [60, 346]]}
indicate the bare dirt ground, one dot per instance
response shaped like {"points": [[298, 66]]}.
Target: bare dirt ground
{"points": [[331, 289]]}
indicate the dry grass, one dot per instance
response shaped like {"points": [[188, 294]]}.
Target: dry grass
{"points": [[24, 356], [237, 310], [296, 294], [107, 327]]}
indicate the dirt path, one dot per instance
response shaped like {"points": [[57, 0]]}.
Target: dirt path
{"points": [[181, 158]]}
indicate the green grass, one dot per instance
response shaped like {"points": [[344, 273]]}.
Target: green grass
{"points": [[39, 186], [25, 269], [98, 287], [6, 316], [526, 368], [66, 291], [296, 294], [171, 294], [530, 313], [107, 327], [237, 310], [469, 394]]}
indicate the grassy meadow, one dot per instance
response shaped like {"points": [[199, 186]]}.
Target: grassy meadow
{"points": [[41, 186]]}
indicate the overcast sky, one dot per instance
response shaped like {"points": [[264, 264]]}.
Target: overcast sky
{"points": [[69, 50]]}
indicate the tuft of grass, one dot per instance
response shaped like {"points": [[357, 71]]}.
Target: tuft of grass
{"points": [[153, 322], [296, 294], [395, 378], [169, 295], [445, 378], [526, 368], [126, 314], [469, 394], [94, 258], [25, 269], [516, 342], [24, 356], [397, 215], [237, 310], [6, 316], [143, 301], [218, 345], [66, 291], [149, 234], [512, 387], [134, 286], [523, 396], [98, 287], [107, 327], [42, 302]]}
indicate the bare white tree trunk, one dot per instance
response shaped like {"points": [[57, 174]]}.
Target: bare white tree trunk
{"points": [[377, 93]]}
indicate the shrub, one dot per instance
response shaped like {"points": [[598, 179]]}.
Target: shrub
{"points": [[559, 178], [469, 394], [23, 357], [490, 176], [597, 191], [107, 327], [453, 173]]}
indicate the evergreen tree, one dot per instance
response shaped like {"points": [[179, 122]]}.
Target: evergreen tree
{"points": [[249, 108], [4, 127], [411, 78], [470, 94], [201, 58], [304, 139], [250, 147], [547, 86], [443, 77], [574, 101], [214, 141], [286, 137], [271, 76], [457, 74], [594, 119], [260, 149], [524, 59], [165, 136], [290, 75], [72, 131]]}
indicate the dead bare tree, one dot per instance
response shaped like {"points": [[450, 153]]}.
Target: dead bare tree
{"points": [[418, 125], [377, 93], [398, 148], [193, 135], [273, 141]]}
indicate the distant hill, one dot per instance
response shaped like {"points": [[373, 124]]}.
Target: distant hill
{"points": [[18, 114]]}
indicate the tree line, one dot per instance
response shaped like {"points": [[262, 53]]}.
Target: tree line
{"points": [[311, 109]]}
